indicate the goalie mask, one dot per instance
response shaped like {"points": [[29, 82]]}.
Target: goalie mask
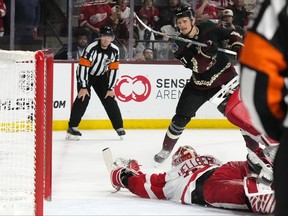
{"points": [[182, 154]]}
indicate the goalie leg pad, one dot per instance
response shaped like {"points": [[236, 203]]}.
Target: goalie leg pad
{"points": [[270, 152], [237, 114], [260, 195]]}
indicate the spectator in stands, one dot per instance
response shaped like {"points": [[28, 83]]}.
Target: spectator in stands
{"points": [[144, 34], [124, 49], [123, 10], [227, 22], [148, 54], [221, 4], [206, 11], [166, 17], [250, 5], [151, 12], [2, 14], [81, 36], [241, 15], [27, 19], [119, 23], [94, 17]]}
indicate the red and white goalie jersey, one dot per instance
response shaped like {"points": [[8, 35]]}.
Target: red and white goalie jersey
{"points": [[196, 179], [176, 185]]}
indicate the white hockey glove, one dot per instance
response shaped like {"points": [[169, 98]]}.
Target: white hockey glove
{"points": [[127, 163]]}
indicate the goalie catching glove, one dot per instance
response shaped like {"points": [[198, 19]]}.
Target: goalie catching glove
{"points": [[120, 176], [123, 170]]}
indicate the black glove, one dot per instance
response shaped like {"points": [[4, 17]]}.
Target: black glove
{"points": [[237, 49], [211, 48], [125, 175]]}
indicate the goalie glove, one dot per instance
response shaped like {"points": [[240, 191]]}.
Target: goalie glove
{"points": [[128, 163], [119, 177], [260, 195]]}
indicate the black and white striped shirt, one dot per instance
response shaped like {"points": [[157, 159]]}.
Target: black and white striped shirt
{"points": [[97, 61], [271, 24]]}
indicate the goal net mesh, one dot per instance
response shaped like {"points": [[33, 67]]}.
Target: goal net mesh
{"points": [[18, 132]]}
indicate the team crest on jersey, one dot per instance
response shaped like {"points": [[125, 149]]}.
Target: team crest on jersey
{"points": [[174, 47], [99, 17]]}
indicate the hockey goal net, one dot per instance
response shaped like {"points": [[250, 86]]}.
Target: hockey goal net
{"points": [[26, 94]]}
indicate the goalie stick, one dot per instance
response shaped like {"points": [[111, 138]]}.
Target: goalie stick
{"points": [[175, 37], [108, 159]]}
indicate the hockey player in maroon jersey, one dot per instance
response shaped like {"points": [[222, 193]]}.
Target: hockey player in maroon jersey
{"points": [[198, 179], [213, 79]]}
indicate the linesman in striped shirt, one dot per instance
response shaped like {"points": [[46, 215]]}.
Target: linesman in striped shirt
{"points": [[264, 85], [98, 67]]}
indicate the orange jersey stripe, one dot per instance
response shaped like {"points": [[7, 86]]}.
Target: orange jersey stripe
{"points": [[266, 60], [85, 62], [114, 65]]}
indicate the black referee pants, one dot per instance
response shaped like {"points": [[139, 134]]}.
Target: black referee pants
{"points": [[99, 84]]}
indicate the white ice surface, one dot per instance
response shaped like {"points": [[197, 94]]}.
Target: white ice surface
{"points": [[81, 184]]}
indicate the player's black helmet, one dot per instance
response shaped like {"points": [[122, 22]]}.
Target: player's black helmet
{"points": [[107, 31], [184, 11]]}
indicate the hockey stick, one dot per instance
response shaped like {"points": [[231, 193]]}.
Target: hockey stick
{"points": [[175, 37], [108, 159], [90, 3]]}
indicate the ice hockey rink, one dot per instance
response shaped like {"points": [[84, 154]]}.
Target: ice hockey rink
{"points": [[81, 183]]}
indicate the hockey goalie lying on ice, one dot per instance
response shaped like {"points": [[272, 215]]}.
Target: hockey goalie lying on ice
{"points": [[199, 179]]}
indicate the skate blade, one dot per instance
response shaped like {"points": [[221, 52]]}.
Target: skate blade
{"points": [[72, 137]]}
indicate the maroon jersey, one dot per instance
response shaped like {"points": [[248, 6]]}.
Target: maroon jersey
{"points": [[221, 71]]}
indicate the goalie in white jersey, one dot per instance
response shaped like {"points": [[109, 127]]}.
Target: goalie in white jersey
{"points": [[198, 179]]}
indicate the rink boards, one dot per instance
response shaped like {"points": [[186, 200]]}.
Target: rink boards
{"points": [[147, 95]]}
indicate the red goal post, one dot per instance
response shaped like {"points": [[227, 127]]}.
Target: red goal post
{"points": [[26, 106]]}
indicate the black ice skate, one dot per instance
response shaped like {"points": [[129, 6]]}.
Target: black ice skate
{"points": [[121, 132], [73, 134], [161, 156]]}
